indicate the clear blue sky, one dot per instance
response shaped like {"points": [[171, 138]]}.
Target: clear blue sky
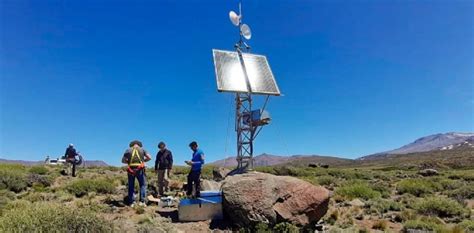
{"points": [[358, 76]]}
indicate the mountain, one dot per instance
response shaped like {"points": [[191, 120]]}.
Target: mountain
{"points": [[441, 141], [270, 160], [87, 163], [23, 162]]}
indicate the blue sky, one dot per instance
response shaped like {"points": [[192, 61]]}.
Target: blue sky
{"points": [[359, 77]]}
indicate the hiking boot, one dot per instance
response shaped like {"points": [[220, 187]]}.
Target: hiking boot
{"points": [[132, 205], [142, 204]]}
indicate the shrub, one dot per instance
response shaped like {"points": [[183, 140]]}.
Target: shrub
{"points": [[5, 197], [13, 179], [42, 180], [326, 180], [48, 217], [357, 190], [467, 225], [262, 228], [266, 169], [380, 225], [332, 218], [465, 192], [417, 187], [464, 175], [440, 206], [84, 186], [382, 187], [420, 225], [380, 206], [448, 184], [40, 170], [285, 227]]}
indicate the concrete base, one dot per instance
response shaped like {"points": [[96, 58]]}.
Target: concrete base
{"points": [[207, 207]]}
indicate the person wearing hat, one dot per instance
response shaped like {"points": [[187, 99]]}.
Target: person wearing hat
{"points": [[194, 176], [136, 157], [163, 165]]}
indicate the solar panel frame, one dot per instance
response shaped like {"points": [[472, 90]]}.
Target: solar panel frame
{"points": [[230, 76]]}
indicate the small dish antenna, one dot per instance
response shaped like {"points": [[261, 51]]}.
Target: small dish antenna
{"points": [[245, 29], [234, 18]]}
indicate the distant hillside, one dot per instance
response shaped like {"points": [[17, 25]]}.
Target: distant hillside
{"points": [[271, 160], [436, 142], [87, 163], [458, 157], [23, 162]]}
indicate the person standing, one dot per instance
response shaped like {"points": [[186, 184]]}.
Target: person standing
{"points": [[70, 157], [194, 175], [163, 165], [136, 157]]}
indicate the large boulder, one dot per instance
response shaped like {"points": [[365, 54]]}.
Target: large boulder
{"points": [[255, 197], [219, 173], [210, 185], [429, 172]]}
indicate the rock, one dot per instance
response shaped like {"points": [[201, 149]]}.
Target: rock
{"points": [[255, 197], [428, 172], [175, 185], [357, 202], [219, 173], [210, 185]]}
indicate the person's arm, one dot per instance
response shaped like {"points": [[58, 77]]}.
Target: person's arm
{"points": [[65, 153], [170, 160], [157, 161], [125, 158], [147, 156], [197, 162]]}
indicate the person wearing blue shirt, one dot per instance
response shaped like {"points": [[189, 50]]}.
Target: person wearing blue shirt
{"points": [[194, 175]]}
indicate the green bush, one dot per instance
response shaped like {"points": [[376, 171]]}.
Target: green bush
{"points": [[467, 225], [40, 170], [43, 180], [380, 225], [417, 187], [463, 175], [382, 187], [262, 228], [381, 206], [463, 193], [266, 169], [13, 179], [84, 186], [49, 217], [448, 184], [439, 206], [326, 180], [420, 225], [357, 190], [5, 197], [285, 227]]}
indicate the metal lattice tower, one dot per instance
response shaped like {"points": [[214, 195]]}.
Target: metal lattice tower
{"points": [[245, 74]]}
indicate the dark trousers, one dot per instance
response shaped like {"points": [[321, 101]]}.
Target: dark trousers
{"points": [[194, 178], [140, 176]]}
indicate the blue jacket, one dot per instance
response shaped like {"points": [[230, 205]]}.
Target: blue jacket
{"points": [[198, 160]]}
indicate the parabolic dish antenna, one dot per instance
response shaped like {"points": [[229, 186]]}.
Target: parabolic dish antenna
{"points": [[246, 31], [234, 18]]}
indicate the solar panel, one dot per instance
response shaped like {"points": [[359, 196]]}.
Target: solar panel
{"points": [[230, 74]]}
